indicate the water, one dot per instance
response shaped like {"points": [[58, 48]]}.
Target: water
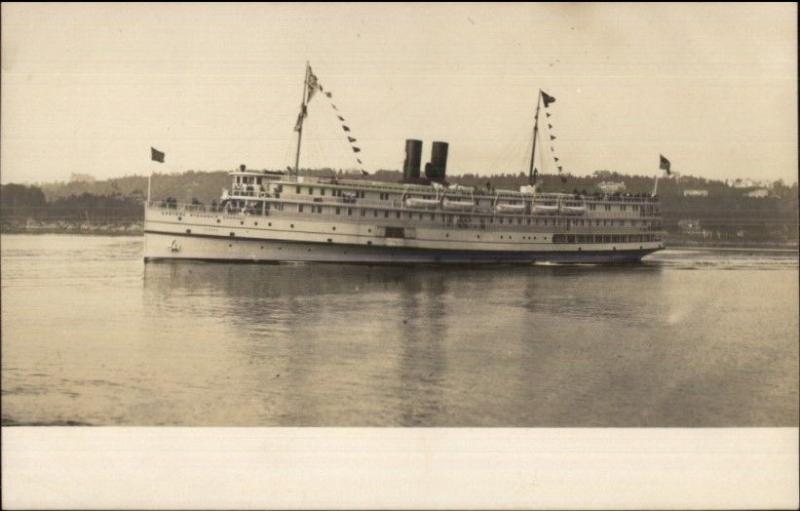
{"points": [[90, 335]]}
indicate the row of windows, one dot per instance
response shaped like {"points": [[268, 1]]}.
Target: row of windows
{"points": [[375, 213], [334, 193], [248, 180], [604, 238]]}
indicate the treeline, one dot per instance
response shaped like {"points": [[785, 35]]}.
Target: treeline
{"points": [[19, 203]]}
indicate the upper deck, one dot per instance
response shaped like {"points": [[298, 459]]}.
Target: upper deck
{"points": [[250, 185]]}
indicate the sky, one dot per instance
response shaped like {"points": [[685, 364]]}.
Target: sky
{"points": [[89, 88]]}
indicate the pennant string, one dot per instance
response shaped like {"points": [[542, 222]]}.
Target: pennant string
{"points": [[350, 139]]}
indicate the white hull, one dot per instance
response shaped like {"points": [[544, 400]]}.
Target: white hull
{"points": [[239, 239]]}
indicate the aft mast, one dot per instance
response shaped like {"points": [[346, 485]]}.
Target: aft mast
{"points": [[535, 136], [300, 118]]}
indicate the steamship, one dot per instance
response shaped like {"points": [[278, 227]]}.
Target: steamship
{"points": [[276, 216]]}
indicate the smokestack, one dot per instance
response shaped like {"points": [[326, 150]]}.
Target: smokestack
{"points": [[437, 168], [413, 159]]}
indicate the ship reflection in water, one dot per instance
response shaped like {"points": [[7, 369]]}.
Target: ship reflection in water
{"points": [[686, 339]]}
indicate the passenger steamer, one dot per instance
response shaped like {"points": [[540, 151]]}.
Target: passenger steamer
{"points": [[271, 216]]}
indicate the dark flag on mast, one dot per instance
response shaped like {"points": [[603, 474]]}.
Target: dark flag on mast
{"points": [[156, 155], [547, 98], [664, 164]]}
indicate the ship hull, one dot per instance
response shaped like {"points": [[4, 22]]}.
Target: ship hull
{"points": [[162, 246]]}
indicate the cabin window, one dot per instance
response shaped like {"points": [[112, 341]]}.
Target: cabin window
{"points": [[395, 232], [363, 212], [433, 216], [258, 180], [297, 190], [398, 214], [608, 207], [310, 191], [337, 211], [386, 214], [299, 208], [349, 211], [375, 213]]}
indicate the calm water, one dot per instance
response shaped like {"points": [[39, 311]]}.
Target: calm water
{"points": [[90, 335]]}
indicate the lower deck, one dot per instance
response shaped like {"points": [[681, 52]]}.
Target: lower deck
{"points": [[165, 246]]}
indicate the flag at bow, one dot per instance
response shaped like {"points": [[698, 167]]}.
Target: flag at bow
{"points": [[547, 98], [664, 164], [156, 155]]}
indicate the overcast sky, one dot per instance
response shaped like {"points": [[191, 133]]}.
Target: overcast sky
{"points": [[89, 88]]}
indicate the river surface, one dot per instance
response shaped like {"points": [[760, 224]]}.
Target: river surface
{"points": [[93, 336]]}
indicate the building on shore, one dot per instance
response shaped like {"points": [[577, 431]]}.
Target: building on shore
{"points": [[695, 193], [611, 186]]}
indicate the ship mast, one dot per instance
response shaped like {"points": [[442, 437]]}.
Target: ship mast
{"points": [[300, 120], [535, 136]]}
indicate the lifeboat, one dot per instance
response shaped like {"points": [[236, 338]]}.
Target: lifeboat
{"points": [[541, 208], [458, 204], [576, 210], [510, 208], [416, 202]]}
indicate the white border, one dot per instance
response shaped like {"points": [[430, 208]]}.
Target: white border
{"points": [[357, 468]]}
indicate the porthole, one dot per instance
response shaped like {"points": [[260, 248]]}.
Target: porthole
{"points": [[291, 225], [242, 222], [255, 223], [180, 218], [188, 231], [230, 244], [269, 224], [334, 227], [217, 220], [369, 243], [330, 240]]}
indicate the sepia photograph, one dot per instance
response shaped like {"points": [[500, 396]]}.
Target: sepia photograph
{"points": [[514, 249]]}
